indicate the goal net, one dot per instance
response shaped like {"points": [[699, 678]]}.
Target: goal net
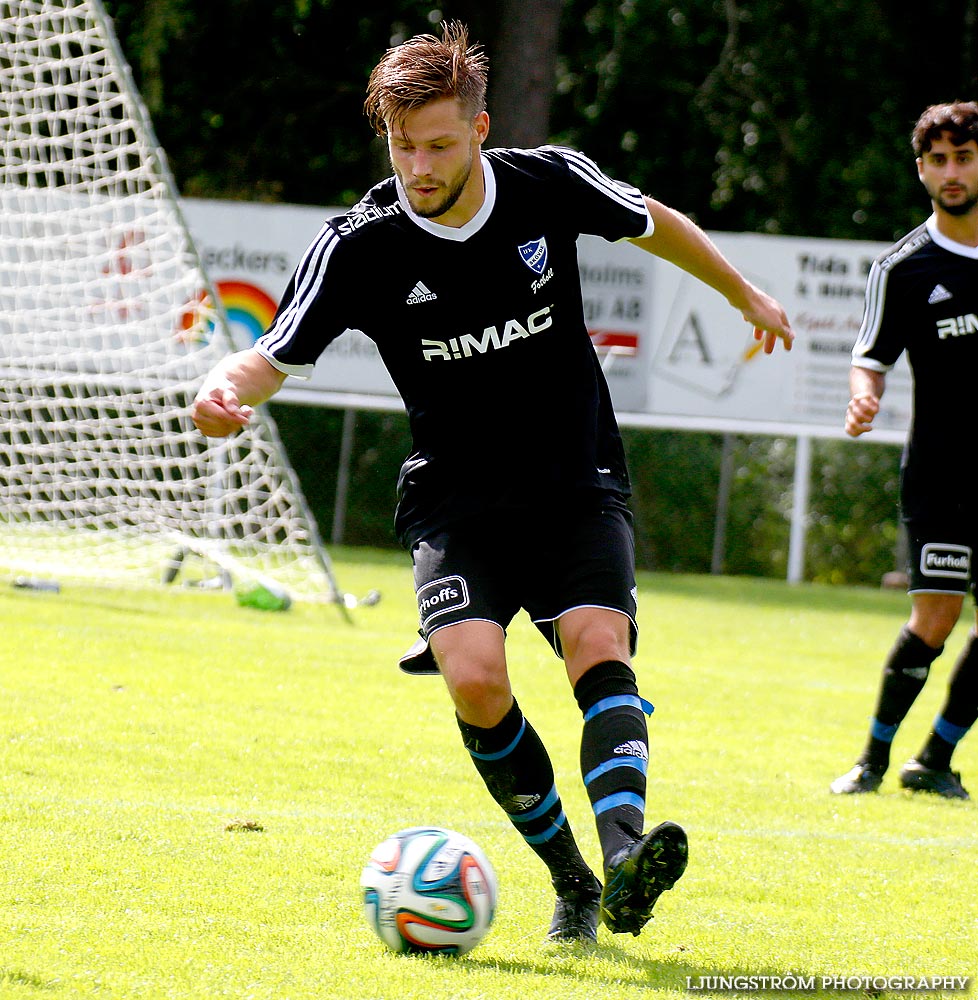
{"points": [[107, 325]]}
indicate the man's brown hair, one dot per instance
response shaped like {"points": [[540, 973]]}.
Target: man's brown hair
{"points": [[423, 69], [958, 119]]}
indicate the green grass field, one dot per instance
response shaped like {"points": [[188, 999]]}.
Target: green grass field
{"points": [[190, 790]]}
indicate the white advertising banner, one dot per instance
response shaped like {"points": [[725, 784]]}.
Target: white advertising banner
{"points": [[705, 363], [675, 353]]}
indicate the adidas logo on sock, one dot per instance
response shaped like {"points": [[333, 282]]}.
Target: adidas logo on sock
{"points": [[633, 748], [940, 294], [917, 673], [420, 293], [520, 803]]}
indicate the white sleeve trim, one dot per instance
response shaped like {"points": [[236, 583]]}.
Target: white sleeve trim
{"points": [[871, 365], [649, 228], [296, 371]]}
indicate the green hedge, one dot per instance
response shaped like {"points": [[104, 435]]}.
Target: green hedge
{"points": [[853, 518]]}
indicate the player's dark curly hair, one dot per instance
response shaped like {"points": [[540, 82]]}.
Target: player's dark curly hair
{"points": [[959, 120], [423, 69]]}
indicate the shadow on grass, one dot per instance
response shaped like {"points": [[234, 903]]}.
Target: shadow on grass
{"points": [[576, 962], [18, 977], [762, 592], [81, 597]]}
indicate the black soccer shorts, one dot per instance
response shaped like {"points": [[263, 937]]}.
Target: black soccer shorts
{"points": [[547, 563], [941, 555]]}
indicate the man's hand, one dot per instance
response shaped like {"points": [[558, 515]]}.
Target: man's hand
{"points": [[218, 409], [769, 320], [860, 412], [217, 412], [866, 387]]}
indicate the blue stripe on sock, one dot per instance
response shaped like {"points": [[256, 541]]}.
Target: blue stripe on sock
{"points": [[615, 701], [502, 753], [882, 732], [619, 799], [535, 813], [549, 833], [948, 731], [609, 765]]}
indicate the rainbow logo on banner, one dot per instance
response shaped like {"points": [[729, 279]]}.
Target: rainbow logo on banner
{"points": [[247, 306]]}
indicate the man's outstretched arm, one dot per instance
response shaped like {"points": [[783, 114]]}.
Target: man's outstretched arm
{"points": [[680, 241]]}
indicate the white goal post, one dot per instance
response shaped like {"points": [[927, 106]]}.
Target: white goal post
{"points": [[107, 325]]}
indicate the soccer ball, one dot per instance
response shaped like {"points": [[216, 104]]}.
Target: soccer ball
{"points": [[429, 890]]}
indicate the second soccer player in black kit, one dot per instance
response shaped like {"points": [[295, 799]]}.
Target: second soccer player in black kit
{"points": [[922, 298], [463, 269]]}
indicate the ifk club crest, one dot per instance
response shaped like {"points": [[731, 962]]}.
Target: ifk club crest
{"points": [[534, 254]]}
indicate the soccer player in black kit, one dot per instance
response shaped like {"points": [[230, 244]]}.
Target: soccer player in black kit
{"points": [[922, 298], [462, 267]]}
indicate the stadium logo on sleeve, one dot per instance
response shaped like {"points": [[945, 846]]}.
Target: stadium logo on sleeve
{"points": [[534, 254], [441, 596], [946, 560]]}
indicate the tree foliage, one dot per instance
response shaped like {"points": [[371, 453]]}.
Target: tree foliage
{"points": [[745, 118], [751, 120]]}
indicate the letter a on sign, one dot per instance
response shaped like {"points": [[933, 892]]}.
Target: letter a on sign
{"points": [[699, 352]]}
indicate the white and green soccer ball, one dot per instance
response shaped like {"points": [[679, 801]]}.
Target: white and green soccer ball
{"points": [[429, 890]]}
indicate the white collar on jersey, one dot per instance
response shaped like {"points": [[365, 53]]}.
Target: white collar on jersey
{"points": [[962, 249], [471, 227]]}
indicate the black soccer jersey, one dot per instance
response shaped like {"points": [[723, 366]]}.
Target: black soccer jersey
{"points": [[482, 330], [922, 298]]}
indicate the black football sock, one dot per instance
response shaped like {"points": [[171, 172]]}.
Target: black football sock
{"points": [[959, 712], [614, 753], [904, 676], [516, 769]]}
